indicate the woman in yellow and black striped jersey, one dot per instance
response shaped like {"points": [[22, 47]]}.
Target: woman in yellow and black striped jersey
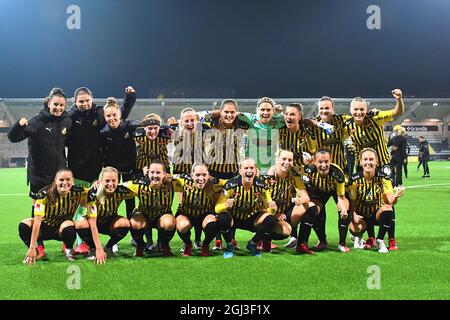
{"points": [[323, 180], [54, 211], [200, 192], [368, 132], [151, 145], [247, 204], [371, 202], [155, 193], [107, 195], [289, 193]]}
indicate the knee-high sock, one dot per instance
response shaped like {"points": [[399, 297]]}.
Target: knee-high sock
{"points": [[69, 235], [198, 232], [307, 223], [370, 230], [165, 236], [116, 235], [210, 231], [391, 230], [294, 231], [130, 205], [86, 235], [385, 224], [138, 236], [81, 211], [343, 228], [186, 237], [266, 227], [148, 235], [25, 233], [224, 225], [319, 225]]}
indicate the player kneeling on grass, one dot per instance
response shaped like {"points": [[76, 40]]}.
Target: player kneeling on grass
{"points": [[246, 204], [107, 195], [324, 180], [200, 191], [371, 201], [53, 214], [288, 191], [155, 192]]}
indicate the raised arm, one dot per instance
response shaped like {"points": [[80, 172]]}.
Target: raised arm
{"points": [[399, 106], [128, 102]]}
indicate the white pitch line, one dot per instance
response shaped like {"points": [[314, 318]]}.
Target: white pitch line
{"points": [[12, 194], [428, 185]]}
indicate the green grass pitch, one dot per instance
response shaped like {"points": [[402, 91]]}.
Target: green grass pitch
{"points": [[419, 270]]}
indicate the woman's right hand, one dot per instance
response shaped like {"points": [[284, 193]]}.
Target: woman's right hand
{"points": [[23, 122], [357, 218], [30, 258], [229, 203]]}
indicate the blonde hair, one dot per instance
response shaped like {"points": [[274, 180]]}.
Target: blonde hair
{"points": [[151, 119], [368, 149], [100, 190], [279, 151], [357, 99], [111, 102], [246, 159], [265, 100]]}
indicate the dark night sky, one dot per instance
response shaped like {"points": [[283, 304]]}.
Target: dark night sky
{"points": [[233, 48]]}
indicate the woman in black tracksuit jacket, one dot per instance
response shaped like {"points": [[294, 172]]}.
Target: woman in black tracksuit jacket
{"points": [[85, 157], [46, 132], [118, 145]]}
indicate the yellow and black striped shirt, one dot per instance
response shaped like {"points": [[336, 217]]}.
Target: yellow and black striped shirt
{"points": [[370, 135], [283, 190], [188, 150], [223, 155], [197, 202], [111, 203], [247, 203], [367, 196], [298, 142], [334, 141], [333, 182], [151, 150], [154, 202], [63, 208]]}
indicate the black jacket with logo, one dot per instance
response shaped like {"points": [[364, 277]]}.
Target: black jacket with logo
{"points": [[119, 146], [84, 144], [47, 136]]}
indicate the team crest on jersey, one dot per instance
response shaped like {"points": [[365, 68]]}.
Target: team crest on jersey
{"points": [[93, 209], [94, 123], [64, 131], [38, 207], [127, 135]]}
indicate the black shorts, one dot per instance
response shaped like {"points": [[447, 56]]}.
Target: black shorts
{"points": [[371, 220], [322, 197], [151, 220], [48, 232], [104, 224], [245, 224], [223, 175]]}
